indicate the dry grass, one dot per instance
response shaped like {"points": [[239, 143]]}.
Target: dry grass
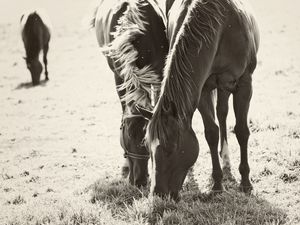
{"points": [[117, 202]]}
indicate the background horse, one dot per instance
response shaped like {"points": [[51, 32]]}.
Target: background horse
{"points": [[212, 44], [132, 36], [35, 30]]}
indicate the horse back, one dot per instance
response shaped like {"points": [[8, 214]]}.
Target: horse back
{"points": [[35, 33]]}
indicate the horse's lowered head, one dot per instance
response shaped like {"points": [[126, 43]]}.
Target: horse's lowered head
{"points": [[133, 130], [35, 67], [173, 149]]}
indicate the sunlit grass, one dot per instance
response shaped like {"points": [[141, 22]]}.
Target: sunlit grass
{"points": [[116, 202]]}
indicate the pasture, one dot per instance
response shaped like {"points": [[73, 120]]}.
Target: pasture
{"points": [[60, 157]]}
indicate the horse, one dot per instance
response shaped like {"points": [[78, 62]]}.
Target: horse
{"points": [[213, 44], [35, 31], [132, 36]]}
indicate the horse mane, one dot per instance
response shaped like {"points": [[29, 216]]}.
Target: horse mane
{"points": [[139, 83], [178, 88]]}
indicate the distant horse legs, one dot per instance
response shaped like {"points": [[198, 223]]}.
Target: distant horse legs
{"points": [[222, 112], [241, 102], [45, 52], [206, 108]]}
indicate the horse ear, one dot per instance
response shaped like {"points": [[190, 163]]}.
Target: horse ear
{"points": [[145, 113]]}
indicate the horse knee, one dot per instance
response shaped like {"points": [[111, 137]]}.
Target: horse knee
{"points": [[242, 133]]}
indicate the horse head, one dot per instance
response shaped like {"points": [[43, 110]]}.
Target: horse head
{"points": [[173, 149], [35, 67], [133, 129]]}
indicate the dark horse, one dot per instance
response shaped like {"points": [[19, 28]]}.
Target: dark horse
{"points": [[35, 29], [132, 36], [213, 44]]}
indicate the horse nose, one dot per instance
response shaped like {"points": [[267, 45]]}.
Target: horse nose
{"points": [[160, 191], [140, 182], [175, 196]]}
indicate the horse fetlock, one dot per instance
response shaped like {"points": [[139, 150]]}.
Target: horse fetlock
{"points": [[217, 178], [246, 186], [218, 187], [244, 171]]}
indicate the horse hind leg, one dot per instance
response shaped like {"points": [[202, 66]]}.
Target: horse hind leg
{"points": [[241, 102], [222, 112], [206, 108], [45, 52]]}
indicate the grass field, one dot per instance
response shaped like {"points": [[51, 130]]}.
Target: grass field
{"points": [[60, 156]]}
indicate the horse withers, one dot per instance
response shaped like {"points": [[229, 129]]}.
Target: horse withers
{"points": [[213, 43], [131, 34], [35, 31]]}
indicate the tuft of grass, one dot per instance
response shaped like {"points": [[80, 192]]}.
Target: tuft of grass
{"points": [[18, 200], [288, 177], [116, 192], [265, 172], [118, 203], [231, 207]]}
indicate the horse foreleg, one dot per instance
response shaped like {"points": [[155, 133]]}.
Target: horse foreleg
{"points": [[206, 108], [241, 102], [222, 112], [45, 52]]}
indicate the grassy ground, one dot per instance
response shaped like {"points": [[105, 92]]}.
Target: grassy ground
{"points": [[60, 156], [117, 202]]}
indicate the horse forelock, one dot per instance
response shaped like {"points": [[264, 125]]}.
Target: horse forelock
{"points": [[198, 28]]}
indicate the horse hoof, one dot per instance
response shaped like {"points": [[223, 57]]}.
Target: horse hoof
{"points": [[217, 188], [246, 188], [125, 171]]}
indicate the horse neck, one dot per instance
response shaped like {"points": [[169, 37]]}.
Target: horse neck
{"points": [[190, 59]]}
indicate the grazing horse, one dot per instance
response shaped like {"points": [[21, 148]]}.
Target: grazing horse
{"points": [[132, 36], [213, 44], [35, 30]]}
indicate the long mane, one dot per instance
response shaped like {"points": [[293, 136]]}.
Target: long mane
{"points": [[198, 29], [139, 83]]}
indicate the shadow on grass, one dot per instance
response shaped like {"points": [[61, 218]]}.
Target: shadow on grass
{"points": [[131, 204], [28, 85]]}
